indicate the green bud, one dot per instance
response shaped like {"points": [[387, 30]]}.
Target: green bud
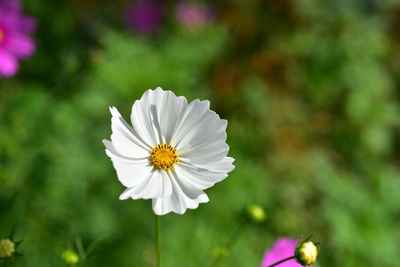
{"points": [[7, 248], [70, 257], [306, 253], [256, 213], [221, 251]]}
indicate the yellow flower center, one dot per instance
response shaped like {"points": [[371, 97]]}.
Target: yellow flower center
{"points": [[164, 156], [1, 36]]}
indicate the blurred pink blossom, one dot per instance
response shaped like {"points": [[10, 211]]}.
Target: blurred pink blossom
{"points": [[282, 248], [193, 13], [145, 17], [16, 42]]}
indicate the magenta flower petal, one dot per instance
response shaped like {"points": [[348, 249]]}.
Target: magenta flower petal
{"points": [[15, 40], [27, 25], [8, 63], [145, 17], [10, 11], [10, 6], [21, 46], [281, 249]]}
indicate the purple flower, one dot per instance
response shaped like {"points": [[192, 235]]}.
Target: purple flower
{"points": [[193, 13], [145, 17], [15, 40], [281, 249]]}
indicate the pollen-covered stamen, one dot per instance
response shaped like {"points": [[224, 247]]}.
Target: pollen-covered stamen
{"points": [[1, 36], [164, 156]]}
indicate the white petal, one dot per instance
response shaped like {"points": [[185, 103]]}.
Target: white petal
{"points": [[224, 166], [198, 178], [124, 139], [156, 185], [168, 110], [194, 113], [201, 136], [203, 141], [202, 198], [127, 193], [207, 154], [155, 115], [178, 202], [141, 120], [160, 186], [208, 131], [188, 189], [166, 185], [115, 155], [133, 173]]}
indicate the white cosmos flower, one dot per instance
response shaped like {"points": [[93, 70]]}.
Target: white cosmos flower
{"points": [[171, 153]]}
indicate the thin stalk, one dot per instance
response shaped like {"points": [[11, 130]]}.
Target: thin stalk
{"points": [[79, 247], [158, 239], [230, 242], [281, 261], [13, 262], [235, 235]]}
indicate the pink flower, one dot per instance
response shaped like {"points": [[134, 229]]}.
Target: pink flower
{"points": [[15, 40], [145, 17], [193, 14], [281, 249]]}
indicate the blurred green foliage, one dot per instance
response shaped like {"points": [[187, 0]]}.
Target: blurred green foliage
{"points": [[310, 90]]}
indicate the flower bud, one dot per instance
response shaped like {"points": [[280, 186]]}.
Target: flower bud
{"points": [[70, 257], [256, 213], [221, 251], [306, 253], [7, 248]]}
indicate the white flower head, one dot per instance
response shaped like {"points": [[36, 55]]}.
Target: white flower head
{"points": [[171, 153]]}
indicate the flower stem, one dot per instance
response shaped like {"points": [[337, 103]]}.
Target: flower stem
{"points": [[234, 237], [229, 243], [281, 261], [158, 239]]}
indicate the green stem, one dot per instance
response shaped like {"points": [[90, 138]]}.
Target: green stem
{"points": [[79, 247], [158, 239], [230, 242], [281, 261], [13, 262]]}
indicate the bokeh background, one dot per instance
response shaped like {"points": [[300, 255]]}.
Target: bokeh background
{"points": [[310, 89]]}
